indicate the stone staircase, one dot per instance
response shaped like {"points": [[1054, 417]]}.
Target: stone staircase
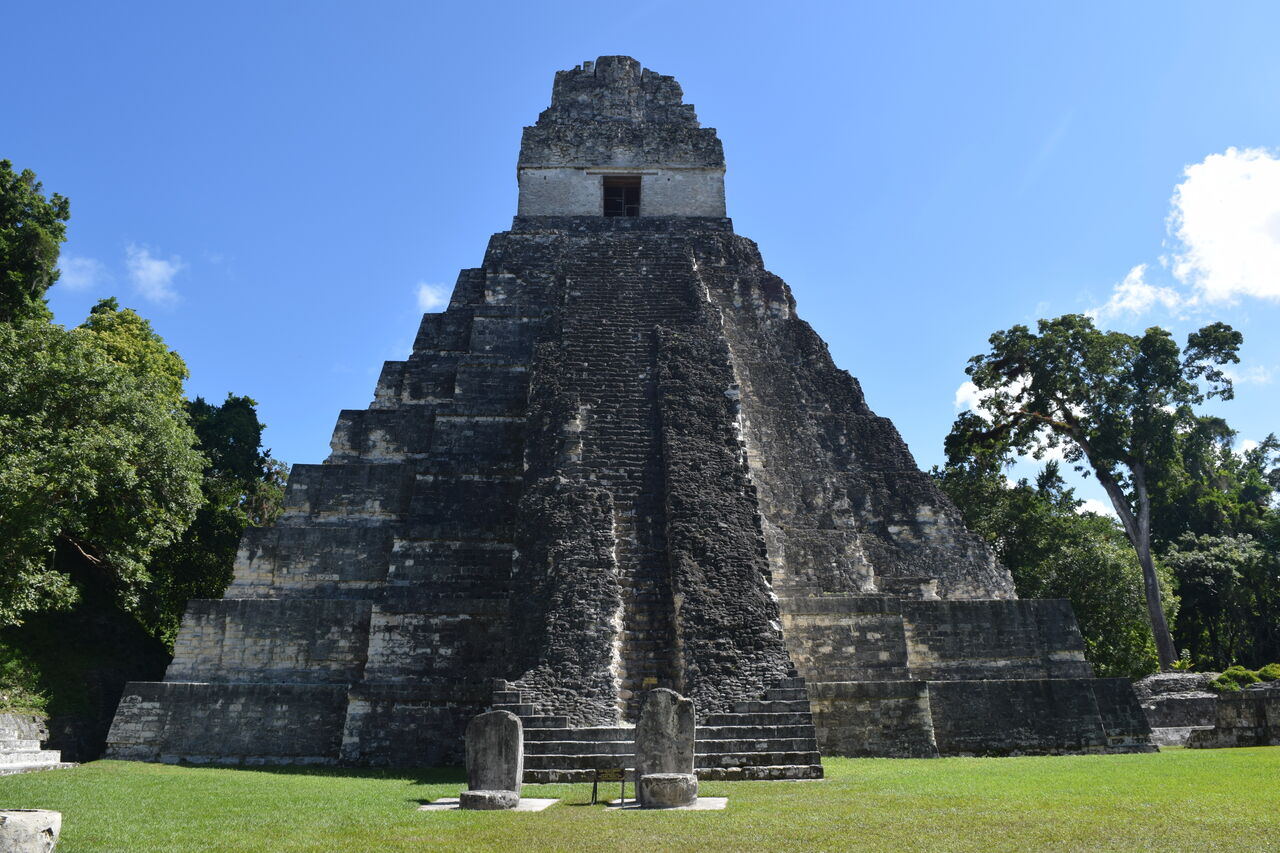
{"points": [[768, 738], [20, 752]]}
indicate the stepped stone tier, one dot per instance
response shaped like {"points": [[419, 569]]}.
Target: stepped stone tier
{"points": [[21, 736], [619, 460]]}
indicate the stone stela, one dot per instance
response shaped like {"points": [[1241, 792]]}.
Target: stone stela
{"points": [[620, 459], [495, 762], [665, 751]]}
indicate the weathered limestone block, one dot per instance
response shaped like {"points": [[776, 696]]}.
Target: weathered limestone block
{"points": [[1177, 703], [668, 790], [29, 830], [495, 761], [664, 737]]}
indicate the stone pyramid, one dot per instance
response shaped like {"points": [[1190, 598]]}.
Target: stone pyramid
{"points": [[620, 460]]}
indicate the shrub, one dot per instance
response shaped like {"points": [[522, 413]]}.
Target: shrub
{"points": [[1235, 678], [1270, 672], [19, 684]]}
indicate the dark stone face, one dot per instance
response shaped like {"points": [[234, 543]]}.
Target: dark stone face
{"points": [[619, 461]]}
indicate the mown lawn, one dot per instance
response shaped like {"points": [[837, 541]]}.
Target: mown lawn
{"points": [[1194, 800]]}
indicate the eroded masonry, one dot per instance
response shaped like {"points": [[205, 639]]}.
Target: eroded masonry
{"points": [[619, 461]]}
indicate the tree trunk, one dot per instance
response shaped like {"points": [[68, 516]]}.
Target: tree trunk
{"points": [[1139, 532]]}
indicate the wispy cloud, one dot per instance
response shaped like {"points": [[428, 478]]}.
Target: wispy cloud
{"points": [[1135, 296], [1255, 374], [79, 273], [152, 276], [1096, 507], [432, 296]]}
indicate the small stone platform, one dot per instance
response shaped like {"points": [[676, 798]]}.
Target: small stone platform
{"points": [[20, 752]]}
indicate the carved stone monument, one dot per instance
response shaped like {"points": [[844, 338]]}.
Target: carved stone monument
{"points": [[620, 458], [665, 743], [495, 762]]}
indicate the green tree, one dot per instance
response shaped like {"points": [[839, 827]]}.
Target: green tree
{"points": [[32, 228], [1052, 550], [129, 341], [242, 486], [1218, 581], [1119, 406], [97, 468]]}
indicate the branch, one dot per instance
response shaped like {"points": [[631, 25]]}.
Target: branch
{"points": [[83, 553]]}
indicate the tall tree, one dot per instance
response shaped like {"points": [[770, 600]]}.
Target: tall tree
{"points": [[32, 228], [1119, 406]]}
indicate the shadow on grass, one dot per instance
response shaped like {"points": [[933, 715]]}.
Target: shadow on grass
{"points": [[415, 775]]}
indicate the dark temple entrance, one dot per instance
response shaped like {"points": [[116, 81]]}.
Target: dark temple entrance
{"points": [[622, 196]]}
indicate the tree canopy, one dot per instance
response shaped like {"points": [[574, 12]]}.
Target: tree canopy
{"points": [[32, 229], [97, 465], [1119, 406]]}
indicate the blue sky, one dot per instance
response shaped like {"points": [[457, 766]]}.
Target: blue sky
{"points": [[281, 187]]}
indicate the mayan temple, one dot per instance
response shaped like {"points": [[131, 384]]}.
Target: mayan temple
{"points": [[620, 460]]}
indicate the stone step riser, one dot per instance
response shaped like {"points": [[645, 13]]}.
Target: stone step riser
{"points": [[18, 745], [796, 719], [588, 735], [32, 756]]}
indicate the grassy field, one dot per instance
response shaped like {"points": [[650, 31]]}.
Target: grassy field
{"points": [[1194, 800]]}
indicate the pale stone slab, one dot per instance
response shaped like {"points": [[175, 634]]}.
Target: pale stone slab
{"points": [[527, 804], [704, 804]]}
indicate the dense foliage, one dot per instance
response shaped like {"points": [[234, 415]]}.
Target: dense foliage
{"points": [[98, 467], [32, 229]]}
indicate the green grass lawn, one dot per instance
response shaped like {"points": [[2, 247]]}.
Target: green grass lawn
{"points": [[1194, 800]]}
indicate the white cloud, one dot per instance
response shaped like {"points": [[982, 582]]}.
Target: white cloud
{"points": [[1226, 216], [1096, 507], [1135, 296], [80, 273], [1254, 375], [152, 277], [967, 397], [432, 296], [1246, 445]]}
